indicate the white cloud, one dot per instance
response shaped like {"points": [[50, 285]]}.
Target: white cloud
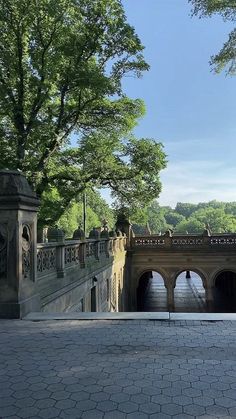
{"points": [[197, 181]]}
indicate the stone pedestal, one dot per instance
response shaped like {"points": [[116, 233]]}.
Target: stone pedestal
{"points": [[18, 246], [123, 225]]}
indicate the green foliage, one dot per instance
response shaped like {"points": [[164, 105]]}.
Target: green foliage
{"points": [[152, 215], [96, 211], [189, 226], [190, 218], [185, 209], [61, 69], [226, 58], [73, 217], [173, 218], [217, 219]]}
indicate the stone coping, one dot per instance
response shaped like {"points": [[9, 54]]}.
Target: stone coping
{"points": [[40, 316]]}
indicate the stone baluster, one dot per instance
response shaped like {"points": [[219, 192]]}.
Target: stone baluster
{"points": [[82, 254], [60, 260]]}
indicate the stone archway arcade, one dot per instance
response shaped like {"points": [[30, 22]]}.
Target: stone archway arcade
{"points": [[212, 258]]}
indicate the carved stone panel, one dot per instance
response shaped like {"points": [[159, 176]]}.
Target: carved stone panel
{"points": [[3, 251], [26, 252]]}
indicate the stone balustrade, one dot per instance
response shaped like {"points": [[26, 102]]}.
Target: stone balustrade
{"points": [[58, 257], [186, 240]]}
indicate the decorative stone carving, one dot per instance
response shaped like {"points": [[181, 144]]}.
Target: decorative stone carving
{"points": [[94, 234], [3, 254], [18, 215], [79, 234], [26, 251], [55, 234], [46, 259]]}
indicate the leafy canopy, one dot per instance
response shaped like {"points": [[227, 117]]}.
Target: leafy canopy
{"points": [[61, 69], [226, 58], [188, 218]]}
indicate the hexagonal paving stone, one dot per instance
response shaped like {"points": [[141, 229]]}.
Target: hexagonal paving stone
{"points": [[6, 401], [56, 387], [92, 414], [43, 404], [140, 398], [28, 412], [203, 401], [99, 397], [25, 402], [220, 386], [182, 400], [132, 390], [137, 415], [42, 394], [171, 409], [170, 391], [71, 413], [161, 399], [106, 405], [119, 397], [217, 410], [115, 414], [149, 408], [79, 396], [225, 402], [128, 407], [159, 416], [151, 391], [65, 404], [194, 410], [112, 389], [87, 405]]}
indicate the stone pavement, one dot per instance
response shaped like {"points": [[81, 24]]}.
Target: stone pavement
{"points": [[117, 369]]}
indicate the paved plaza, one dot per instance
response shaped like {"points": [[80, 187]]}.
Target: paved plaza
{"points": [[117, 369]]}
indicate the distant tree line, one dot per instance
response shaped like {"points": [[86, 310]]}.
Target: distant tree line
{"points": [[186, 218]]}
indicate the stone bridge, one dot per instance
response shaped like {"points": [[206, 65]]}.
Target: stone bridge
{"points": [[96, 274], [210, 256]]}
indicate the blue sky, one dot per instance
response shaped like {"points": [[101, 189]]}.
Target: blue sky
{"points": [[189, 109]]}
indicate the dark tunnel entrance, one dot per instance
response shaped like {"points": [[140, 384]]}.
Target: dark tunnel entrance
{"points": [[151, 293], [224, 292]]}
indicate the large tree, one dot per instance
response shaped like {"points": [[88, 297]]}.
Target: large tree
{"points": [[226, 58], [61, 69]]}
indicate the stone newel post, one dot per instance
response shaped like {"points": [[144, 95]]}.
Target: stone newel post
{"points": [[18, 246]]}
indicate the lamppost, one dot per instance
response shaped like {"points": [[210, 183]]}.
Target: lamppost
{"points": [[84, 213]]}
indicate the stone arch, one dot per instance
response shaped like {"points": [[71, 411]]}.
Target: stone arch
{"points": [[151, 290], [218, 271], [224, 290], [190, 292], [198, 271], [152, 268]]}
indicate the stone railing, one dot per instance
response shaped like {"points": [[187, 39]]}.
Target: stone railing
{"points": [[186, 240], [57, 257]]}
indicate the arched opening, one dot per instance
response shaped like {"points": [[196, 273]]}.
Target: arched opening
{"points": [[151, 293], [224, 293], [189, 293]]}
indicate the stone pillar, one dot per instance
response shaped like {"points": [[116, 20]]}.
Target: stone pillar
{"points": [[170, 297], [60, 260], [18, 246], [124, 226], [209, 298]]}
